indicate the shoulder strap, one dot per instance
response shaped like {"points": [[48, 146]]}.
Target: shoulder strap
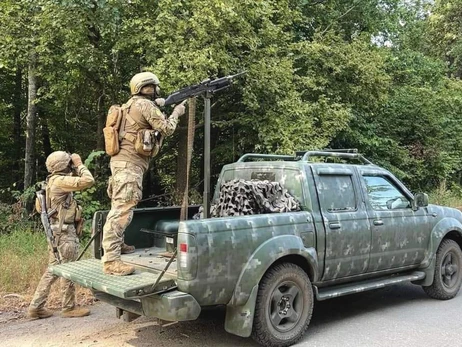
{"points": [[64, 206], [125, 109], [47, 193]]}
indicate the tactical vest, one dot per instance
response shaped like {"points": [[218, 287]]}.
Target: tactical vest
{"points": [[64, 210], [135, 129]]}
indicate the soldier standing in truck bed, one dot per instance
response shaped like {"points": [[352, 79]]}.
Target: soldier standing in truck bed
{"points": [[129, 165]]}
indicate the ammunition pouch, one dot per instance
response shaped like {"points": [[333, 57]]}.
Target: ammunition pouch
{"points": [[78, 213], [148, 142], [72, 216], [79, 227]]}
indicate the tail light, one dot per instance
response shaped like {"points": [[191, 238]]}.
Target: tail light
{"points": [[184, 247], [187, 254]]}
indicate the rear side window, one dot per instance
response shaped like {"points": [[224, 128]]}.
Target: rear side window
{"points": [[337, 193]]}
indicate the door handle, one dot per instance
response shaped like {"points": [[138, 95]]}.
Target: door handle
{"points": [[378, 222], [335, 225]]}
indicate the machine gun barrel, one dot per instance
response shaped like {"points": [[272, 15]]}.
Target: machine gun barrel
{"points": [[208, 85]]}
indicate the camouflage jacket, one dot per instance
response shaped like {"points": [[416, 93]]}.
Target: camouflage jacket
{"points": [[60, 187], [147, 116]]}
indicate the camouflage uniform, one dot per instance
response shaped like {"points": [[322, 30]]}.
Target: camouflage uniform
{"points": [[127, 168], [60, 185]]}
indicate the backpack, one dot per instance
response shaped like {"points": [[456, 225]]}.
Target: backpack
{"points": [[111, 131], [147, 142]]}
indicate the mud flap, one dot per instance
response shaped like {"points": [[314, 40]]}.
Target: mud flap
{"points": [[239, 319], [429, 274]]}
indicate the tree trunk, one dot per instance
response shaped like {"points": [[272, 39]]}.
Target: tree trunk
{"points": [[17, 145], [94, 37], [99, 131], [46, 136], [30, 123]]}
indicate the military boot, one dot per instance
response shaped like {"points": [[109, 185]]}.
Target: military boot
{"points": [[36, 313], [75, 312], [126, 249], [118, 268]]}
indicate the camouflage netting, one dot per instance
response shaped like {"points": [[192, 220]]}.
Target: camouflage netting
{"points": [[241, 197]]}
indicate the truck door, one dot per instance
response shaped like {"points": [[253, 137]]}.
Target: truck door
{"points": [[348, 231], [400, 235]]}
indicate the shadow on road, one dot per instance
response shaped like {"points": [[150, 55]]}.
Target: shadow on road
{"points": [[349, 306], [209, 330]]}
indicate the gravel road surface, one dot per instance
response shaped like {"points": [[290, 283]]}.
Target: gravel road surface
{"points": [[401, 315]]}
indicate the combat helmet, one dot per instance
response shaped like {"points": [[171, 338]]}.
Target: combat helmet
{"points": [[58, 161], [143, 79]]}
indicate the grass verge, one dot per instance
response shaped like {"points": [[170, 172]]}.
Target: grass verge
{"points": [[446, 197], [23, 260]]}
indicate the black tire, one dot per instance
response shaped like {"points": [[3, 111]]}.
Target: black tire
{"points": [[448, 272], [284, 306]]}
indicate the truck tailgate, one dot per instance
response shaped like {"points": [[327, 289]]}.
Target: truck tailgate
{"points": [[89, 273]]}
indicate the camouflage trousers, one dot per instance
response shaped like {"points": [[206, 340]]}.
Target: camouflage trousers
{"points": [[125, 191], [68, 247]]}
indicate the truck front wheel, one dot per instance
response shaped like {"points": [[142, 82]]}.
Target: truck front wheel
{"points": [[284, 306], [448, 272]]}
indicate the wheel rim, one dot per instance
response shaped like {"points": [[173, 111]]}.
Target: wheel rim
{"points": [[450, 270], [286, 306]]}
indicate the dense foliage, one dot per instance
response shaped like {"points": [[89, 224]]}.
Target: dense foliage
{"points": [[382, 76]]}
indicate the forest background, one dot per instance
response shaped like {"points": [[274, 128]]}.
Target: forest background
{"points": [[382, 76]]}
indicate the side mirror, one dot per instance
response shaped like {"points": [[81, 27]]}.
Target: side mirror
{"points": [[420, 200]]}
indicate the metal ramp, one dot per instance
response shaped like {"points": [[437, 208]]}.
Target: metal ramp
{"points": [[89, 273]]}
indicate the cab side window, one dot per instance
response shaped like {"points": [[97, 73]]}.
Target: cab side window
{"points": [[337, 193], [384, 195]]}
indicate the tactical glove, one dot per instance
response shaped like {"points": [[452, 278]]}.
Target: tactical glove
{"points": [[76, 160], [160, 102], [179, 109]]}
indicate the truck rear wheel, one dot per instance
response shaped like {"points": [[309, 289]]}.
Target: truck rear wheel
{"points": [[284, 306], [448, 272]]}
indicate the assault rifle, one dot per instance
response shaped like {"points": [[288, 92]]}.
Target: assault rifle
{"points": [[206, 86], [46, 224]]}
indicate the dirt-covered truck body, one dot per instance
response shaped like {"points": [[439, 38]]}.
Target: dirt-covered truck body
{"points": [[358, 228]]}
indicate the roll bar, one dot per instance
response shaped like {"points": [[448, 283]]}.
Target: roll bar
{"points": [[351, 153]]}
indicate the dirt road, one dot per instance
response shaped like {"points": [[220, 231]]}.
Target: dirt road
{"points": [[401, 315], [102, 328]]}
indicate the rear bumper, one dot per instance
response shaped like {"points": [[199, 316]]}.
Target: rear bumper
{"points": [[170, 306]]}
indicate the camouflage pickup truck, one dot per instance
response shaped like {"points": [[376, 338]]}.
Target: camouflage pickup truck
{"points": [[359, 228]]}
